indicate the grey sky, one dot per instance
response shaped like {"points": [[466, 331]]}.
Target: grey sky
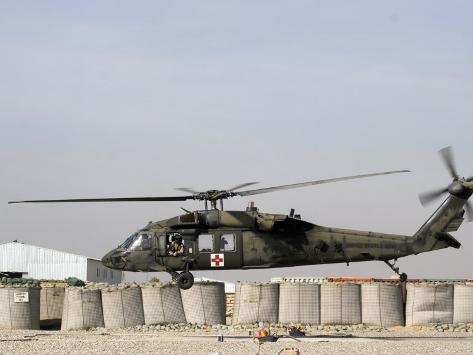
{"points": [[110, 98]]}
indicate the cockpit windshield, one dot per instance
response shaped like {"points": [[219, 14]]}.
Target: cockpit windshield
{"points": [[141, 241], [129, 240]]}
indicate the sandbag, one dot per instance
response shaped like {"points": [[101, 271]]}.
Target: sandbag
{"points": [[255, 302], [19, 307], [123, 308], [162, 305], [299, 303], [429, 304], [381, 304], [82, 309], [52, 302], [204, 303], [463, 304], [340, 303]]}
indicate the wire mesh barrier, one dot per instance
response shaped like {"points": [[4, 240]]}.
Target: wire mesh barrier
{"points": [[255, 302], [19, 308], [51, 304], [299, 303], [429, 304], [162, 305], [463, 304], [82, 309], [204, 303], [123, 308], [340, 303], [329, 303], [381, 305]]}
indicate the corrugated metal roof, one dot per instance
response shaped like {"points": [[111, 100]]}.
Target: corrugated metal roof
{"points": [[40, 262]]}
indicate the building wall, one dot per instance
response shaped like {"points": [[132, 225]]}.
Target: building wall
{"points": [[96, 272], [42, 263]]}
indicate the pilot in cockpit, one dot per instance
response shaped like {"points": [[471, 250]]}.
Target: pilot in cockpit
{"points": [[176, 248]]}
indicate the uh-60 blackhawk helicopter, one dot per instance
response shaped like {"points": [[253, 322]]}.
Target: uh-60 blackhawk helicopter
{"points": [[214, 238]]}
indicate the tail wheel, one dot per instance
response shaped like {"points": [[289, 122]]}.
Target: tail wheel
{"points": [[403, 277], [185, 280]]}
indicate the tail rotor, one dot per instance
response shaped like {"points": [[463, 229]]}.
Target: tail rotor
{"points": [[460, 187]]}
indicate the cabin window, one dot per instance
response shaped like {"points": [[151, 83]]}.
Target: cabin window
{"points": [[227, 242], [206, 243]]}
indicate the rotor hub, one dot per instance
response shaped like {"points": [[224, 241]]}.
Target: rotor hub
{"points": [[456, 188]]}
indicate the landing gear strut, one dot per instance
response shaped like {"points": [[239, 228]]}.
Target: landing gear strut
{"points": [[402, 276], [184, 280]]}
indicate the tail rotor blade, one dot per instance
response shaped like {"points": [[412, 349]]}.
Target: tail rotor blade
{"points": [[429, 196], [447, 156]]}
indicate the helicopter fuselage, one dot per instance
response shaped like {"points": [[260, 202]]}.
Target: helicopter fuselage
{"points": [[215, 239]]}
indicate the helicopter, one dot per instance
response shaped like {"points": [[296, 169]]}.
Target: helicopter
{"points": [[217, 239]]}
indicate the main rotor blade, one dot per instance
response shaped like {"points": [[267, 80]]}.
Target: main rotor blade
{"points": [[117, 199], [469, 211], [446, 155], [429, 196], [186, 189], [315, 182], [243, 185]]}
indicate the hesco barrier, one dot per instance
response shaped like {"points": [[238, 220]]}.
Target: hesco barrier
{"points": [[381, 305], [204, 303], [19, 308], [299, 303], [427, 304], [463, 303], [123, 308], [52, 301], [340, 303], [255, 302], [82, 309], [162, 305]]}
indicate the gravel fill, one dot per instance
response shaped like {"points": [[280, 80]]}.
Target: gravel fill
{"points": [[399, 340]]}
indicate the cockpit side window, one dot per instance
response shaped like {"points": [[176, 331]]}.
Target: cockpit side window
{"points": [[141, 242], [145, 242]]}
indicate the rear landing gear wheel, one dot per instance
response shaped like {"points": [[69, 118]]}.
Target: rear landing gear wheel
{"points": [[185, 280], [402, 276]]}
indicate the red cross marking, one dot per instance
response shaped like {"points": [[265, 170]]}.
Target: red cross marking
{"points": [[217, 260]]}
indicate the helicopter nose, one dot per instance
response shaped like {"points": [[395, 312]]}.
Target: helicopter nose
{"points": [[107, 260], [115, 259]]}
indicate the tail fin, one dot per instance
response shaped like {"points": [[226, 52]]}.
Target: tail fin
{"points": [[434, 232]]}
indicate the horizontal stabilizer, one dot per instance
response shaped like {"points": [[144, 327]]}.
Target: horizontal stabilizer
{"points": [[447, 238]]}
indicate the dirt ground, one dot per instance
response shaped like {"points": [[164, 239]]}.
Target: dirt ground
{"points": [[396, 341]]}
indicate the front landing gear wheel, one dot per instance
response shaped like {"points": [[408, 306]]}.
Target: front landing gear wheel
{"points": [[403, 277], [185, 280]]}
